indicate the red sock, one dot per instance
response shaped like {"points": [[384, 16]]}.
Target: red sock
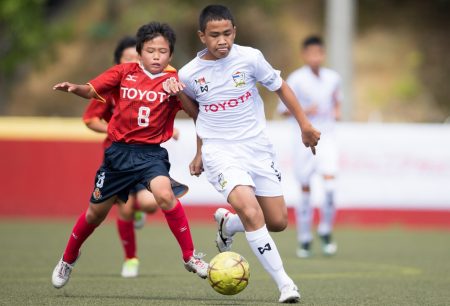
{"points": [[80, 232], [178, 223], [136, 205], [127, 237]]}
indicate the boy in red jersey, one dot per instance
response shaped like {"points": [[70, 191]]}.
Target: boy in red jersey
{"points": [[140, 202], [142, 120]]}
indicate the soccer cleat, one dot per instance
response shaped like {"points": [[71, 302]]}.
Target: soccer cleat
{"points": [[130, 268], [139, 219], [303, 253], [61, 273], [329, 249], [223, 241], [304, 250], [289, 294], [197, 265]]}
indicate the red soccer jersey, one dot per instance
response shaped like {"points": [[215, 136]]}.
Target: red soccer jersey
{"points": [[102, 111], [144, 112]]}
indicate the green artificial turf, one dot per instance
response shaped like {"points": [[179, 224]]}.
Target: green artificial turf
{"points": [[389, 266]]}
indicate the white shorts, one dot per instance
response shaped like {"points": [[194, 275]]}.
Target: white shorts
{"points": [[250, 163], [325, 162]]}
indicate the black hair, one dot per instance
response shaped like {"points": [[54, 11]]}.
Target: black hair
{"points": [[124, 43], [152, 30], [214, 12], [312, 40]]}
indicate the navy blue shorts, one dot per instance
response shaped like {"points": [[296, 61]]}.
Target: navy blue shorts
{"points": [[127, 166]]}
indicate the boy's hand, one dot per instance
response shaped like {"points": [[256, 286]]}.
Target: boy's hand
{"points": [[173, 87], [175, 134], [310, 137], [196, 165], [65, 86]]}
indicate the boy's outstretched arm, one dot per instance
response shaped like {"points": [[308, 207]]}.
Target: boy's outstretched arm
{"points": [[310, 136], [85, 91]]}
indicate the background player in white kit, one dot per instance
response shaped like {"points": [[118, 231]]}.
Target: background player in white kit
{"points": [[318, 89], [237, 156]]}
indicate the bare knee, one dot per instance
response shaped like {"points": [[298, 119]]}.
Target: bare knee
{"points": [[95, 216], [252, 218], [165, 199], [126, 211], [277, 224], [151, 208]]}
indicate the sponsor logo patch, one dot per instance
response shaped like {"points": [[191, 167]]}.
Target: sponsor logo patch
{"points": [[202, 83]]}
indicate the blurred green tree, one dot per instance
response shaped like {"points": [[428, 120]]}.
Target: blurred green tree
{"points": [[26, 36]]}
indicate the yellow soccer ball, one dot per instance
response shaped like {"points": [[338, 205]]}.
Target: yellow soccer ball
{"points": [[228, 273]]}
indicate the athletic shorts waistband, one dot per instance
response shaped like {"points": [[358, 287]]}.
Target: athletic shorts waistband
{"points": [[138, 146]]}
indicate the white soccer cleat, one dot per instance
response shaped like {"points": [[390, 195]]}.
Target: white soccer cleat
{"points": [[303, 253], [197, 265], [61, 273], [304, 250], [130, 268], [223, 241], [329, 249], [139, 219], [289, 294]]}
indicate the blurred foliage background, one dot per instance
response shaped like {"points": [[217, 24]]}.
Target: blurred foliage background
{"points": [[401, 49]]}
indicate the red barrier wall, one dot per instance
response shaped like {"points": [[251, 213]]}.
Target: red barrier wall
{"points": [[54, 178], [46, 178]]}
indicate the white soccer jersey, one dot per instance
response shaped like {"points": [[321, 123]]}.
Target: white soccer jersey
{"points": [[225, 89], [323, 90]]}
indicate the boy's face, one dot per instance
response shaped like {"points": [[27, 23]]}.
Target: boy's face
{"points": [[314, 56], [129, 55], [155, 54], [219, 38]]}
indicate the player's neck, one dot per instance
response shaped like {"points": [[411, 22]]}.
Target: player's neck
{"points": [[315, 70]]}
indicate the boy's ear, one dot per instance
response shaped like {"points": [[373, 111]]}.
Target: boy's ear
{"points": [[201, 35]]}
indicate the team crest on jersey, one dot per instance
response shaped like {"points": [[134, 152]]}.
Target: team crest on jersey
{"points": [[238, 78], [202, 83], [222, 181], [97, 194]]}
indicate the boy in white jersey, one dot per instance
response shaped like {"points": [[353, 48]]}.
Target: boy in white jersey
{"points": [[318, 89], [237, 156]]}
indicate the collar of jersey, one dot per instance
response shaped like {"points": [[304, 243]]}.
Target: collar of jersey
{"points": [[154, 76], [212, 62], [313, 74]]}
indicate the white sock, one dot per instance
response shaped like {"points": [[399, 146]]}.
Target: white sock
{"points": [[234, 225], [304, 217], [266, 251], [328, 209]]}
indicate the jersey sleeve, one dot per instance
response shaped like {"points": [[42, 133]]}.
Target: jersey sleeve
{"points": [[265, 74], [184, 78], [96, 110], [107, 81]]}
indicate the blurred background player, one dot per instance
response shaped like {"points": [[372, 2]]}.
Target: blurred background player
{"points": [[140, 201], [139, 124], [318, 90]]}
